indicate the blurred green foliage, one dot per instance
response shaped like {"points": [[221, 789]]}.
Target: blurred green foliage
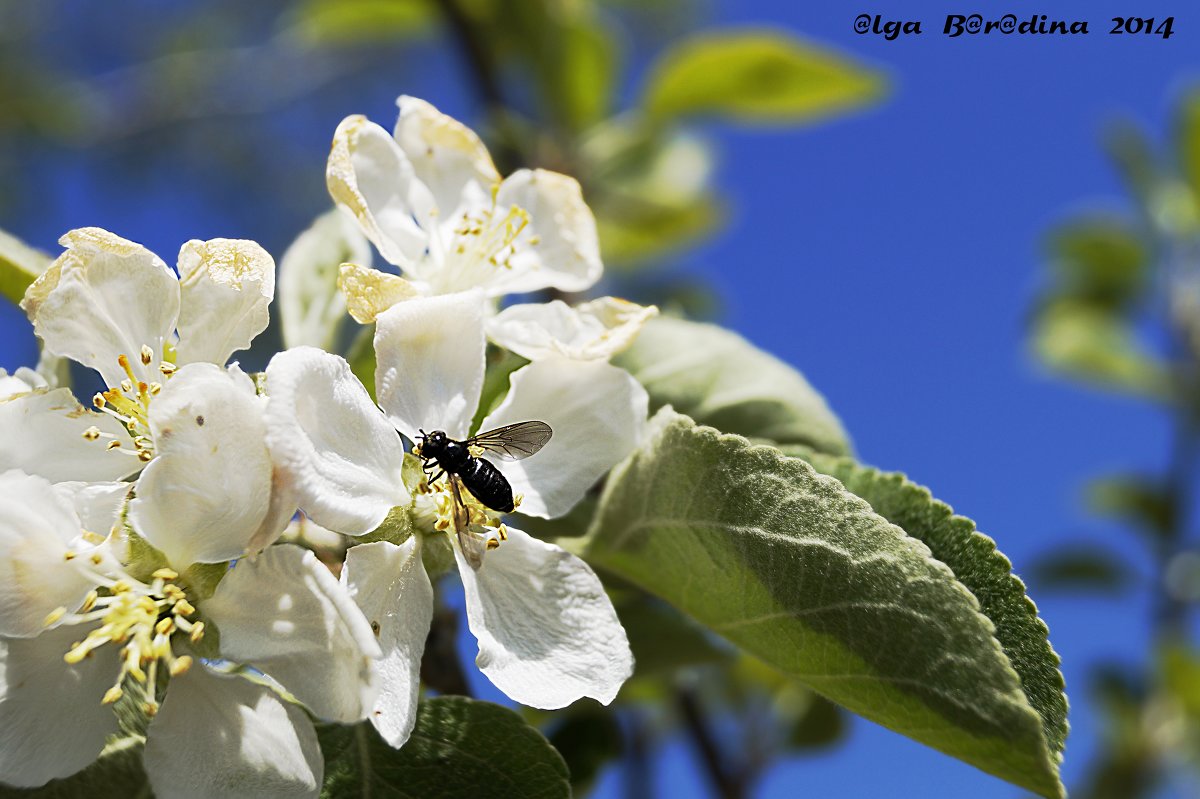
{"points": [[1120, 310]]}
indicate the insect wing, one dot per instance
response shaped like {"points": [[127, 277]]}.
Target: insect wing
{"points": [[472, 546], [513, 442]]}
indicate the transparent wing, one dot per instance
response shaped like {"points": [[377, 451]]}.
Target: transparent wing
{"points": [[514, 441], [471, 545]]}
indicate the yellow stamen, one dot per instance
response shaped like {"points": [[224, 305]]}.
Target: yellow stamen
{"points": [[147, 355], [112, 695]]}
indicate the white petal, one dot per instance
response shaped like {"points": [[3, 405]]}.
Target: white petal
{"points": [[595, 330], [42, 433], [225, 287], [54, 724], [335, 447], [370, 176], [430, 362], [284, 613], [446, 155], [310, 306], [38, 527], [547, 632], [567, 253], [222, 735], [205, 495], [98, 505], [22, 381], [598, 414], [105, 297], [389, 583]]}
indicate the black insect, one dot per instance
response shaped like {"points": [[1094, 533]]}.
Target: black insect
{"points": [[485, 482]]}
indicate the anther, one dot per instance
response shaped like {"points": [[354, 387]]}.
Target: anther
{"points": [[127, 385], [197, 632], [165, 574], [144, 456], [92, 433], [112, 695], [147, 355], [89, 602], [114, 444], [54, 616], [98, 400], [181, 665], [167, 368]]}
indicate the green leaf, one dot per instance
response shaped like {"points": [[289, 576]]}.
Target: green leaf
{"points": [[459, 747], [582, 83], [500, 366], [117, 774], [631, 239], [351, 22], [1080, 568], [1093, 343], [720, 379], [819, 725], [20, 265], [978, 565], [588, 738], [1144, 502], [795, 569], [1099, 260], [361, 357], [761, 75]]}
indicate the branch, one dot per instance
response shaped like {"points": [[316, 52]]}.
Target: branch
{"points": [[728, 782]]}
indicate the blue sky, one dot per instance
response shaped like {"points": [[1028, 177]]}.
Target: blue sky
{"points": [[892, 256]]}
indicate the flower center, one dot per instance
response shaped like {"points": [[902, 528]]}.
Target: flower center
{"points": [[433, 510], [484, 237], [129, 403], [140, 619]]}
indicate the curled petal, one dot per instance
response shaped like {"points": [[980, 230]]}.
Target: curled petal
{"points": [[310, 309], [39, 533], [334, 447], [223, 735], [559, 248], [54, 723], [105, 297], [598, 414], [206, 493], [445, 154], [389, 584], [370, 292], [284, 612], [430, 362], [595, 330], [547, 632], [371, 177], [43, 433], [226, 286]]}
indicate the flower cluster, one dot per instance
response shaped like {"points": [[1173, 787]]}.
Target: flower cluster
{"points": [[145, 589]]}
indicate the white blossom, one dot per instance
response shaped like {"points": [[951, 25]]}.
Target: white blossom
{"points": [[547, 632], [213, 730], [430, 199]]}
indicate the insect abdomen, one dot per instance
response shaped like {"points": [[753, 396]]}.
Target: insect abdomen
{"points": [[487, 484]]}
